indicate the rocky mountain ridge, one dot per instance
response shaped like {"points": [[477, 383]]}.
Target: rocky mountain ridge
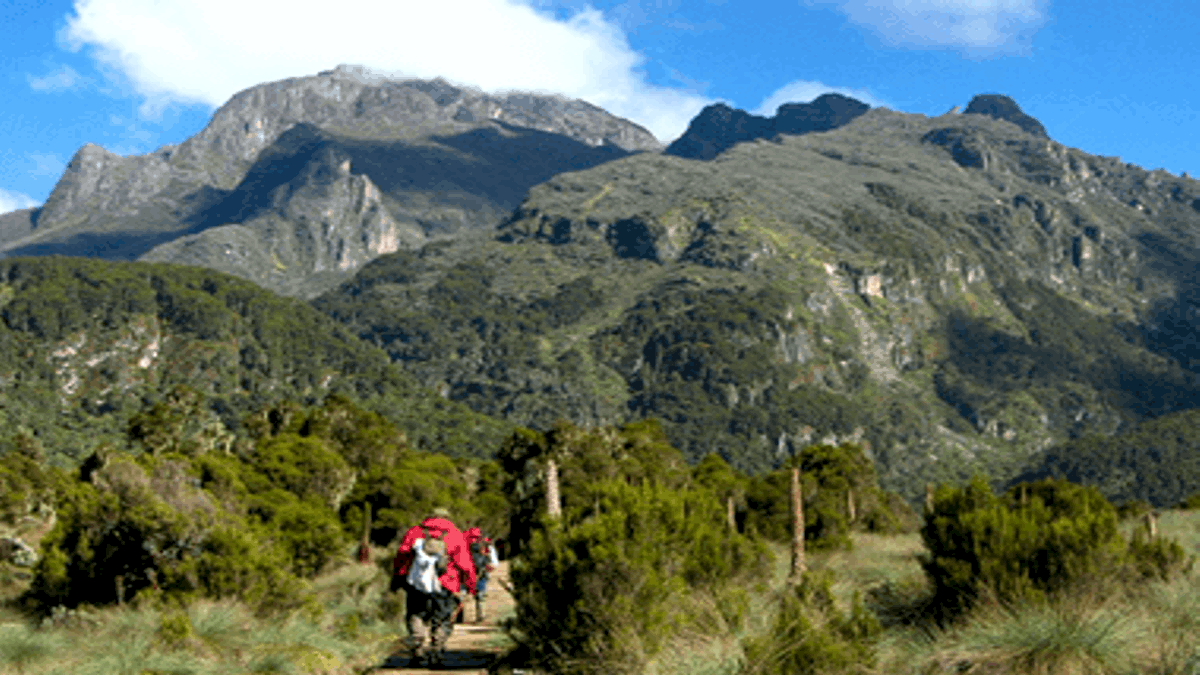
{"points": [[122, 207]]}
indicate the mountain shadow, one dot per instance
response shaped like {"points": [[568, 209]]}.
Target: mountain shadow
{"points": [[117, 246], [491, 166], [19, 223], [1172, 324]]}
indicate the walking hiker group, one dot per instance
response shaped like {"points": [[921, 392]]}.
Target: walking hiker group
{"points": [[435, 563]]}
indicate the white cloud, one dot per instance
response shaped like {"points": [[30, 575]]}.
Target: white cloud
{"points": [[11, 201], [804, 91], [59, 79], [982, 26], [204, 51]]}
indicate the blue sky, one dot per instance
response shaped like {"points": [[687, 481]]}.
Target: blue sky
{"points": [[1112, 77]]}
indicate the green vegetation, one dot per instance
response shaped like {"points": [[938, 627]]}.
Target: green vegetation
{"points": [[1156, 462], [251, 520], [644, 553], [604, 587], [825, 287], [841, 493], [235, 556], [92, 350], [1033, 584], [812, 635], [1039, 538]]}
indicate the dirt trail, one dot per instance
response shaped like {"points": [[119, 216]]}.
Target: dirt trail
{"points": [[472, 646]]}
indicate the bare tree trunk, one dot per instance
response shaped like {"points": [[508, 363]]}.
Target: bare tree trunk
{"points": [[553, 505], [928, 499], [730, 514], [799, 566], [120, 583], [1024, 496], [364, 546], [1152, 524], [850, 505]]}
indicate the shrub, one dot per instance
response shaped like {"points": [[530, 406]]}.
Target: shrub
{"points": [[305, 466], [241, 562], [401, 495], [811, 635], [1159, 558], [598, 591], [309, 533], [1039, 538], [636, 453], [119, 527], [27, 487]]}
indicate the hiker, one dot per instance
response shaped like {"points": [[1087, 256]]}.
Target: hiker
{"points": [[483, 554], [432, 565]]}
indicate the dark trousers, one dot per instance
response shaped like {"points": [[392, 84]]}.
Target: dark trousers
{"points": [[428, 613]]}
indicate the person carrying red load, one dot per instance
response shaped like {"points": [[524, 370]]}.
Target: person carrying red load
{"points": [[483, 555], [433, 563]]}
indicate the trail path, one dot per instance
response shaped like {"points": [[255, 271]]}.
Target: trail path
{"points": [[472, 646]]}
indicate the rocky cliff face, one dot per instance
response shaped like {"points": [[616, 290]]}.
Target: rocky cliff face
{"points": [[436, 158], [718, 127]]}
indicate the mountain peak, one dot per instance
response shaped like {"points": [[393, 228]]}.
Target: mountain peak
{"points": [[998, 106], [827, 111], [718, 126]]}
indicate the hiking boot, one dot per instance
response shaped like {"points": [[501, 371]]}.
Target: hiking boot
{"points": [[434, 658], [410, 648], [416, 656]]}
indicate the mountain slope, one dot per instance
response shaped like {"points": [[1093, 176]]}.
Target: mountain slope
{"points": [[425, 159], [955, 291], [85, 344]]}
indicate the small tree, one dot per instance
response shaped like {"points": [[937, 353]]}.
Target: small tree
{"points": [[836, 481]]}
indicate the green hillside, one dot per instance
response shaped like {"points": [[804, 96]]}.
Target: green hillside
{"points": [[87, 344], [1156, 463]]}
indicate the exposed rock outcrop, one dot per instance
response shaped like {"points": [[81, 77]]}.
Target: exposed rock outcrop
{"points": [[1004, 108], [718, 127]]}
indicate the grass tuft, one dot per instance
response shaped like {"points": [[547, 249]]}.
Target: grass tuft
{"points": [[21, 646]]}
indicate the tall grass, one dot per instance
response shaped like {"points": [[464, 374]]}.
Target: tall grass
{"points": [[22, 648], [214, 637], [1068, 636], [1146, 628]]}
